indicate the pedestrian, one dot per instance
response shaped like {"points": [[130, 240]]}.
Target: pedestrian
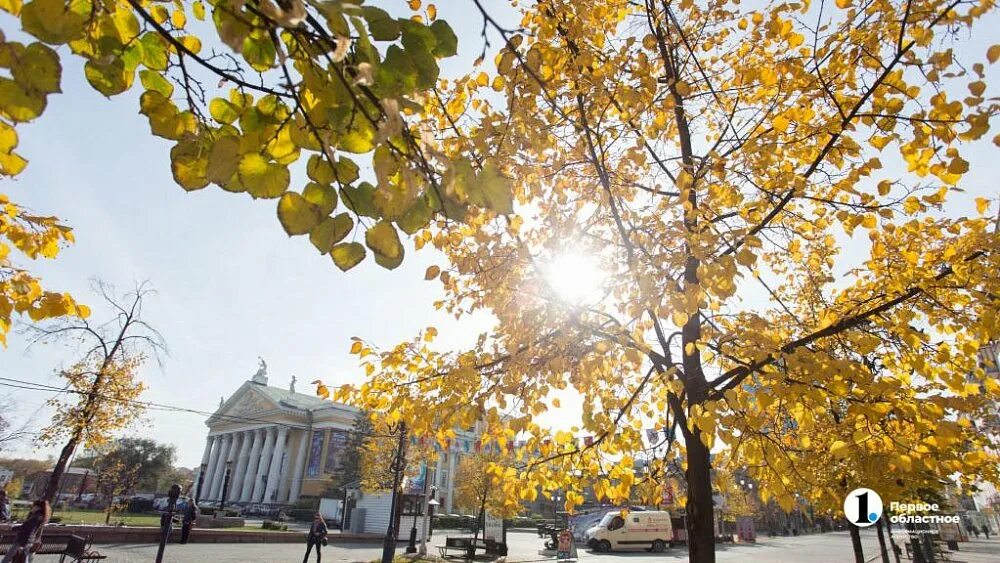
{"points": [[316, 537], [28, 536], [4, 506], [986, 531], [975, 531], [190, 516]]}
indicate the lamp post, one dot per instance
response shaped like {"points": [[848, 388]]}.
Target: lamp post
{"points": [[398, 466], [225, 486], [429, 524], [167, 520]]}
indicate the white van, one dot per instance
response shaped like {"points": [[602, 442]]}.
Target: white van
{"points": [[648, 530]]}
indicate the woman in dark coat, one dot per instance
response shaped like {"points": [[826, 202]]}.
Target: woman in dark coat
{"points": [[29, 533], [316, 537]]}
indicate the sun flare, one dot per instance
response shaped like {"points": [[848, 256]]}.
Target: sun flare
{"points": [[575, 277]]}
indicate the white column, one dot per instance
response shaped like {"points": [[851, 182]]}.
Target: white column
{"points": [[254, 460], [234, 450], [274, 472], [262, 466], [220, 467], [236, 488], [205, 464], [284, 480], [300, 467]]}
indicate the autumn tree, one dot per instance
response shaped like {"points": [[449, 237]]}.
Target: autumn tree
{"points": [[103, 385], [24, 234], [127, 465], [335, 85], [721, 210]]}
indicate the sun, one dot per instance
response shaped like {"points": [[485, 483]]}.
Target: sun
{"points": [[575, 277]]}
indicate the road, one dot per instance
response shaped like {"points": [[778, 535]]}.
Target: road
{"points": [[818, 548]]}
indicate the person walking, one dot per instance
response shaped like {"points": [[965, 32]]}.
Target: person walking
{"points": [[975, 530], [28, 536], [190, 516], [316, 537], [4, 506], [986, 530]]}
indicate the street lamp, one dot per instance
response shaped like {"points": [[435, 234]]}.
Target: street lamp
{"points": [[167, 520]]}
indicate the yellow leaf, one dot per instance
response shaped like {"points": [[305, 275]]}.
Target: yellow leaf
{"points": [[844, 4], [297, 215], [982, 204], [414, 4], [993, 53], [432, 272], [838, 449], [780, 123], [357, 347]]}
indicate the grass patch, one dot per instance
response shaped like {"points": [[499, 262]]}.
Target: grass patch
{"points": [[96, 517]]}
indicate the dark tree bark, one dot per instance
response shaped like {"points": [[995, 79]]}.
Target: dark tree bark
{"points": [[881, 540], [859, 550]]}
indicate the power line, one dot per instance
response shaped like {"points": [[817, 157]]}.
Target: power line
{"points": [[161, 407]]}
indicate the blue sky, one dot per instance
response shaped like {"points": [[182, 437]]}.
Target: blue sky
{"points": [[231, 286]]}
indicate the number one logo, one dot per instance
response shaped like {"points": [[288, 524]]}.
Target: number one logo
{"points": [[863, 509]]}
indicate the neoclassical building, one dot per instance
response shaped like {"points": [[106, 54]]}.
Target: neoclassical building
{"points": [[281, 445]]}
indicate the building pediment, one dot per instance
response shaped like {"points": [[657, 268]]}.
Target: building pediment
{"points": [[248, 403]]}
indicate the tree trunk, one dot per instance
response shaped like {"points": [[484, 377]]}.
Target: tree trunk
{"points": [[700, 517], [881, 541], [52, 487], [859, 551], [892, 540]]}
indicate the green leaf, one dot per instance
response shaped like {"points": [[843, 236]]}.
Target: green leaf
{"points": [[259, 52], [188, 162], [359, 139], [153, 80], [56, 21], [331, 231], [154, 51], [223, 160], [397, 75], [416, 217], [164, 119], [297, 215], [347, 255], [38, 69], [18, 105], [380, 24], [360, 199], [347, 170], [223, 110], [322, 196], [109, 79], [496, 190], [420, 42], [262, 179], [319, 170], [383, 240], [447, 43]]}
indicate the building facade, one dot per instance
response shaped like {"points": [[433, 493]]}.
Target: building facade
{"points": [[278, 445]]}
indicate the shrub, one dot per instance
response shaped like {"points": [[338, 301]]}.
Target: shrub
{"points": [[272, 525], [301, 514]]}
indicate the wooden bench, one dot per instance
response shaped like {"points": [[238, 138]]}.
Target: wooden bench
{"points": [[76, 547], [461, 545], [467, 547]]}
